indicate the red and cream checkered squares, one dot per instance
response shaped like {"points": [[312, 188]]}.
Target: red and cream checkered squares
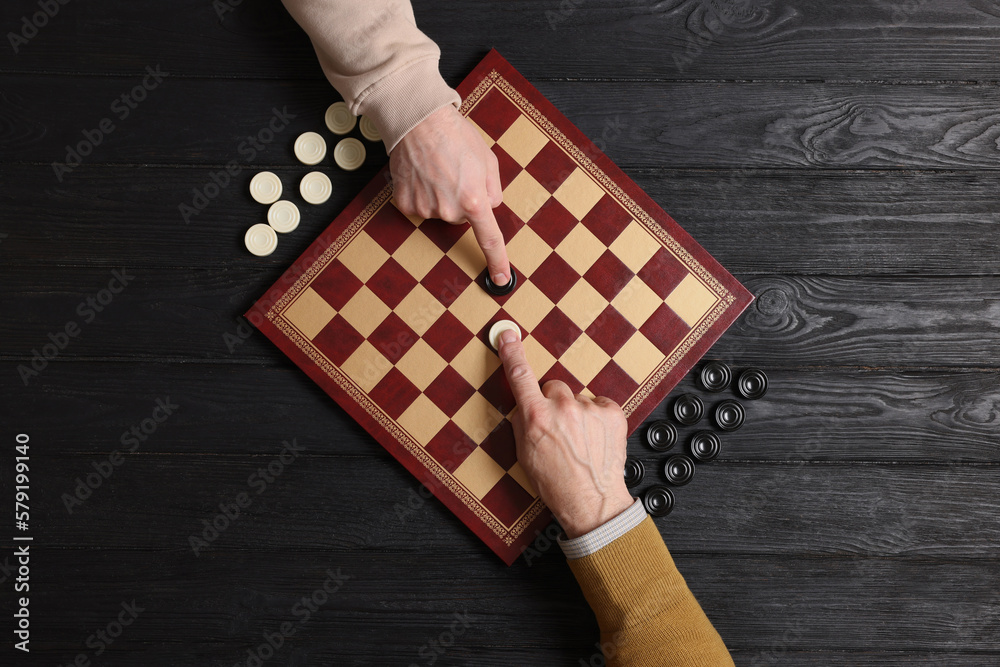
{"points": [[396, 315]]}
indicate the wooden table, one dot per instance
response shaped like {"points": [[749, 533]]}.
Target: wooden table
{"points": [[839, 158]]}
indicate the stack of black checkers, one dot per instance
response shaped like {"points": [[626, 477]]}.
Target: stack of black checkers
{"points": [[703, 444]]}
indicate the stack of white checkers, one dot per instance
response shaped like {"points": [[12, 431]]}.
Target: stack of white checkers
{"points": [[315, 187]]}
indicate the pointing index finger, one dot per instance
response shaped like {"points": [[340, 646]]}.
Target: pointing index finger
{"points": [[519, 374], [490, 239]]}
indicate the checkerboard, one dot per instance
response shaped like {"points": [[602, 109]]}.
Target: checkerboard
{"points": [[389, 313]]}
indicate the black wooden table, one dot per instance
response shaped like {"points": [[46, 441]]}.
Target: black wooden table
{"points": [[841, 158]]}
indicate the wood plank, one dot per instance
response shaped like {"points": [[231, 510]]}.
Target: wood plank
{"points": [[175, 314], [827, 605], [839, 414], [946, 40], [761, 221], [684, 125], [820, 509]]}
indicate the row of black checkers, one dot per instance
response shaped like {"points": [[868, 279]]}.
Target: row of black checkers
{"points": [[705, 445]]}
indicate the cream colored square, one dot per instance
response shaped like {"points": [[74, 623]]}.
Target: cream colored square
{"points": [[580, 249], [636, 302], [418, 255], [578, 193], [479, 473], [690, 300], [524, 196], [468, 255], [538, 357], [476, 362], [367, 366], [365, 311], [474, 308], [528, 305], [477, 418], [634, 246], [363, 256], [415, 219], [310, 313], [523, 140], [521, 477], [638, 357], [527, 250], [487, 138], [582, 304], [419, 309], [421, 364], [584, 359], [423, 420]]}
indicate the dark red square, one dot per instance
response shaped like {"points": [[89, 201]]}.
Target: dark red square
{"points": [[447, 336], [500, 445], [662, 273], [610, 330], [391, 283], [494, 113], [446, 281], [509, 168], [389, 228], [607, 219], [338, 340], [508, 222], [551, 166], [554, 277], [394, 393], [508, 500], [614, 383], [393, 337], [608, 275], [556, 333], [449, 391], [559, 372], [443, 234], [336, 284], [450, 447], [497, 391], [664, 329], [552, 222]]}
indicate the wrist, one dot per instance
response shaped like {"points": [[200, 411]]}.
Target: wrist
{"points": [[596, 514]]}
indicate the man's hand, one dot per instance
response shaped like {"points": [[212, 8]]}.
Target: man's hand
{"points": [[443, 169], [572, 447]]}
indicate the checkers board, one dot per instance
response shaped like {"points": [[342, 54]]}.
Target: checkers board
{"points": [[389, 313]]}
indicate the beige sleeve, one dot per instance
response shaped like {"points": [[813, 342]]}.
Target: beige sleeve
{"points": [[377, 59]]}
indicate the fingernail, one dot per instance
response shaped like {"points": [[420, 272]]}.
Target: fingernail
{"points": [[500, 279], [508, 336]]}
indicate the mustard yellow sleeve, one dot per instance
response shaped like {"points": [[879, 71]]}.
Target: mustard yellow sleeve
{"points": [[646, 612]]}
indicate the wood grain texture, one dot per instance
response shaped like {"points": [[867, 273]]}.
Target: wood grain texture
{"points": [[753, 221], [837, 414], [684, 125], [839, 158], [805, 508], [868, 321], [952, 40], [385, 617]]}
